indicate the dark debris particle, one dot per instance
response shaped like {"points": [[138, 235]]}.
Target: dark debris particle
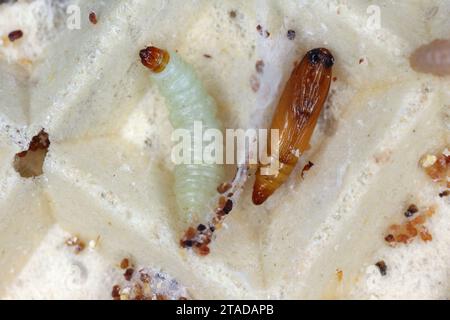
{"points": [[306, 168], [361, 60], [128, 274], [201, 227], [445, 193], [259, 29], [259, 66], [291, 34], [382, 267], [116, 292], [188, 243], [232, 14], [15, 35], [389, 238], [207, 56], [228, 206], [93, 17], [412, 209]]}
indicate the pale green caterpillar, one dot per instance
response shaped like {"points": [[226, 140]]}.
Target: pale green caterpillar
{"points": [[187, 101]]}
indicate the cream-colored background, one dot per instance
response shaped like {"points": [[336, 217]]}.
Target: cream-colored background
{"points": [[108, 172]]}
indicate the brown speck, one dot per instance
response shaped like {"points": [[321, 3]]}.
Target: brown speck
{"points": [[30, 163], [335, 79], [93, 17], [116, 292], [128, 274], [79, 247], [389, 238], [259, 66], [291, 34], [306, 168], [15, 35], [254, 83], [188, 243], [259, 29], [224, 187], [425, 235], [412, 209], [445, 193], [382, 267], [232, 14], [76, 243], [228, 206], [201, 227], [361, 60], [339, 275], [207, 56], [124, 264]]}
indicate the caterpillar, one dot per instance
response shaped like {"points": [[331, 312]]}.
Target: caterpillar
{"points": [[296, 117], [187, 101], [432, 58]]}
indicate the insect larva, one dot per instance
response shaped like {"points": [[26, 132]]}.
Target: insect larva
{"points": [[432, 58], [295, 117], [188, 101]]}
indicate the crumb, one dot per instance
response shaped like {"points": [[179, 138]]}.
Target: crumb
{"points": [[29, 163], [224, 187], [262, 32], [412, 209], [361, 61], [306, 168], [428, 160], [291, 34], [116, 292], [207, 56], [437, 167], [128, 274], [339, 274], [410, 229], [445, 193], [382, 267], [259, 29], [76, 243], [259, 66], [15, 35], [232, 14], [93, 17], [125, 263]]}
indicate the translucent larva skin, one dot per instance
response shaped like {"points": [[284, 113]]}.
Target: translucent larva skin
{"points": [[432, 58], [187, 101], [296, 117]]}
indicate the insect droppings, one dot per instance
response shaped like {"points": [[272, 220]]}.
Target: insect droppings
{"points": [[15, 35], [93, 18]]}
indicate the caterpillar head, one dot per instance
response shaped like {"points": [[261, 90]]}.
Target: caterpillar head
{"points": [[154, 58]]}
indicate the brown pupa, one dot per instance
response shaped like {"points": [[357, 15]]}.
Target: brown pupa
{"points": [[296, 117], [432, 58]]}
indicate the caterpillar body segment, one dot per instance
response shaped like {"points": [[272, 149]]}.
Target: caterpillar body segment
{"points": [[188, 102]]}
